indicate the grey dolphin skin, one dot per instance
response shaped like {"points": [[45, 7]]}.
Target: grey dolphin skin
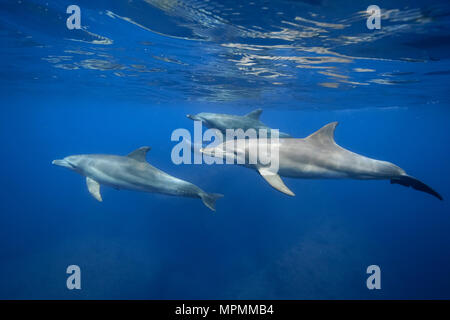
{"points": [[229, 121], [131, 172], [315, 157]]}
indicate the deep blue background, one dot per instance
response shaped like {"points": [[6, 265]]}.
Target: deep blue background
{"points": [[62, 97]]}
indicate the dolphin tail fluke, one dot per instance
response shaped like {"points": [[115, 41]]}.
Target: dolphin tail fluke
{"points": [[209, 199], [409, 181]]}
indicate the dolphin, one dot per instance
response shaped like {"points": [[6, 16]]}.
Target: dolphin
{"points": [[315, 157], [131, 172], [222, 122]]}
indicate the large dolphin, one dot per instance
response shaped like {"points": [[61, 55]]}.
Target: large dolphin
{"points": [[223, 122], [131, 172], [314, 157]]}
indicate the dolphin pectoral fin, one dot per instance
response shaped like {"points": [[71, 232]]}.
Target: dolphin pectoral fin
{"points": [[94, 188], [275, 181], [139, 154], [255, 114]]}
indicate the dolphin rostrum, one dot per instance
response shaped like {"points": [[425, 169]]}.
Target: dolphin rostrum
{"points": [[222, 122], [131, 172], [314, 157]]}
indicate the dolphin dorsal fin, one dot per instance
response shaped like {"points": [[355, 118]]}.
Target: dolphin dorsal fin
{"points": [[255, 114], [139, 154], [324, 135]]}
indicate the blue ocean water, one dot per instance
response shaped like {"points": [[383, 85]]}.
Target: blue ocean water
{"points": [[128, 78]]}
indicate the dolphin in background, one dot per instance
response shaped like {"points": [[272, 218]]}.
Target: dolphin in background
{"points": [[223, 122], [316, 157], [131, 172]]}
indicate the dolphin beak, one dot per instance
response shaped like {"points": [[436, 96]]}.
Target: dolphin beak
{"points": [[62, 163], [284, 135], [193, 117], [208, 151]]}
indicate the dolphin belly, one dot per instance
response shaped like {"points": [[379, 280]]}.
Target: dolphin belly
{"points": [[310, 171], [146, 180], [117, 181]]}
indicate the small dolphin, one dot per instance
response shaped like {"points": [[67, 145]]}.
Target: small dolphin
{"points": [[223, 122], [314, 157], [131, 172]]}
